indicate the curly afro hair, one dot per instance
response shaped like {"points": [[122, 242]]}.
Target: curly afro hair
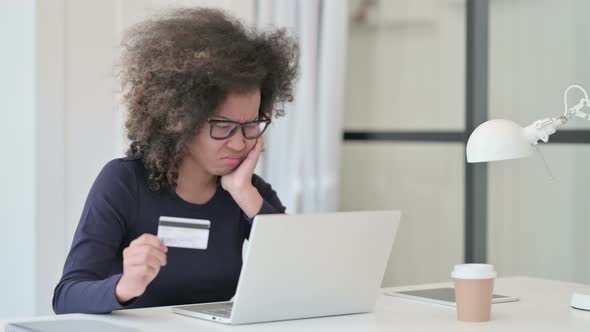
{"points": [[177, 68]]}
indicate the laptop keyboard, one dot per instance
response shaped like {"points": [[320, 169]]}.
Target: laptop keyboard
{"points": [[218, 309]]}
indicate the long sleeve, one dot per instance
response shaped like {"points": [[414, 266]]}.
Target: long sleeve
{"points": [[87, 285], [272, 203]]}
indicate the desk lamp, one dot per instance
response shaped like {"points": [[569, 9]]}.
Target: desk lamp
{"points": [[503, 139]]}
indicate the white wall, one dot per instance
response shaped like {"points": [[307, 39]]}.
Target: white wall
{"points": [[17, 164], [425, 181], [406, 71], [61, 122], [407, 67], [539, 226], [50, 133]]}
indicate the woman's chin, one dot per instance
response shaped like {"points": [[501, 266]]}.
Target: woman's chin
{"points": [[225, 170]]}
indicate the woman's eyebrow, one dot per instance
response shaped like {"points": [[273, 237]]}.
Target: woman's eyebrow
{"points": [[228, 119]]}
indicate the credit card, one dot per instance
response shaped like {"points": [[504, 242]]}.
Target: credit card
{"points": [[184, 232]]}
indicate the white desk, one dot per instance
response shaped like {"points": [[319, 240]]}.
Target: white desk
{"points": [[544, 306]]}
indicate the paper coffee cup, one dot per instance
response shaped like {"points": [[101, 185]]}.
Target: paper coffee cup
{"points": [[474, 286]]}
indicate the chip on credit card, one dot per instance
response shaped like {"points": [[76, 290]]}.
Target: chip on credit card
{"points": [[184, 232]]}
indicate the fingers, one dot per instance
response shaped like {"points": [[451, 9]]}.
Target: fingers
{"points": [[142, 261], [150, 240], [147, 249], [139, 261], [249, 164], [254, 154], [141, 267], [144, 273], [259, 144], [242, 175], [145, 254]]}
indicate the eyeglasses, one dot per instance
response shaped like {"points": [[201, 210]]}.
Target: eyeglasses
{"points": [[223, 129]]}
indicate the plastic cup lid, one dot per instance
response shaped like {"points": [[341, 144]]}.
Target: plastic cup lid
{"points": [[474, 271]]}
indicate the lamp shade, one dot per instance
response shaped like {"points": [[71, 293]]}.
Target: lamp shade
{"points": [[497, 140]]}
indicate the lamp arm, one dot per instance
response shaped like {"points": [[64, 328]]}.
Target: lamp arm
{"points": [[576, 110], [541, 129]]}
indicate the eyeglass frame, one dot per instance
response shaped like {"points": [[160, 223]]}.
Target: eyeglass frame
{"points": [[239, 125]]}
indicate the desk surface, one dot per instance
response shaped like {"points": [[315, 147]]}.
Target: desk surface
{"points": [[543, 306]]}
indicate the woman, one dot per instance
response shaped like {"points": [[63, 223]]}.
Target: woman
{"points": [[200, 90]]}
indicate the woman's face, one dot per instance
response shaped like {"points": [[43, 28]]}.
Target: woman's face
{"points": [[221, 157]]}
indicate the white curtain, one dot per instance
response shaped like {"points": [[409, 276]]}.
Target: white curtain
{"points": [[302, 153]]}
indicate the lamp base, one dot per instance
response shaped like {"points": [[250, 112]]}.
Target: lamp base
{"points": [[581, 301]]}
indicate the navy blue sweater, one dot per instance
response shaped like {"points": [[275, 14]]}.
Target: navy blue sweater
{"points": [[119, 208]]}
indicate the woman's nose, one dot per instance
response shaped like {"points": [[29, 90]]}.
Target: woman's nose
{"points": [[237, 142]]}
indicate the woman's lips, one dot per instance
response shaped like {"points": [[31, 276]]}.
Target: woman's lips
{"points": [[232, 160]]}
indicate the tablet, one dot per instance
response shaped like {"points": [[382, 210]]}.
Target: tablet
{"points": [[444, 296], [68, 325]]}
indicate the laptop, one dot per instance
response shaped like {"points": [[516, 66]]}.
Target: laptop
{"points": [[308, 265]]}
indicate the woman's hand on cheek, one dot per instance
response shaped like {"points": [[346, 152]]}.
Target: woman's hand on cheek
{"points": [[241, 178], [239, 183]]}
